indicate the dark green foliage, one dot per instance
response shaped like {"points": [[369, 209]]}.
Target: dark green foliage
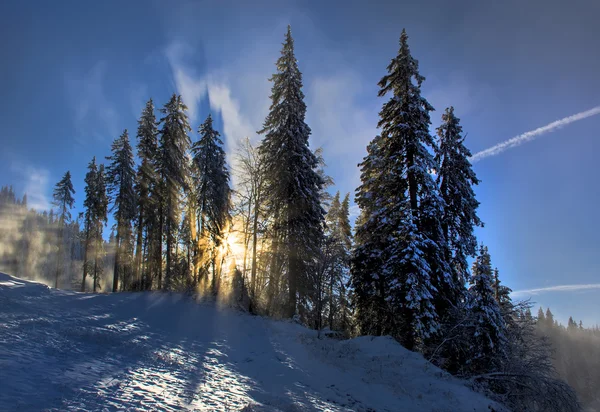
{"points": [[173, 169], [63, 199], [488, 346], [292, 182], [399, 271], [146, 187], [120, 178], [455, 179], [212, 183]]}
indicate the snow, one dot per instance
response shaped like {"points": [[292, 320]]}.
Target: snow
{"points": [[155, 351]]}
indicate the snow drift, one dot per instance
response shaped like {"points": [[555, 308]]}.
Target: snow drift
{"points": [[156, 351]]}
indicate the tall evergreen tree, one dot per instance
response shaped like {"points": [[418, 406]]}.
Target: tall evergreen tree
{"points": [[549, 318], [489, 341], [96, 209], [91, 179], [540, 317], [455, 179], [339, 231], [100, 206], [212, 192], [63, 199], [145, 188], [292, 182], [174, 143], [502, 293], [399, 264], [120, 177]]}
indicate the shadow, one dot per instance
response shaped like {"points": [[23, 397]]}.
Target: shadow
{"points": [[146, 351]]}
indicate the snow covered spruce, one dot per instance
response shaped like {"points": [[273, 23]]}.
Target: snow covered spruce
{"points": [[276, 244]]}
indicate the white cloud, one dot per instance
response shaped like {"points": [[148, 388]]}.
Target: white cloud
{"points": [[189, 84], [242, 99], [235, 124], [94, 115], [558, 288]]}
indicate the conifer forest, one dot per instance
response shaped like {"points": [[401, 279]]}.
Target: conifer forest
{"points": [[262, 229]]}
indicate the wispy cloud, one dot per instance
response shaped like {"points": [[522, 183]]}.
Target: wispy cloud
{"points": [[241, 99], [235, 124], [558, 288], [34, 181], [190, 85], [138, 96], [533, 134], [458, 90], [93, 114], [342, 122]]}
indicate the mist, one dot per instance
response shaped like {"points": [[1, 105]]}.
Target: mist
{"points": [[576, 356], [29, 246]]}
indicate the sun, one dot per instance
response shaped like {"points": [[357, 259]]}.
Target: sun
{"points": [[232, 247]]}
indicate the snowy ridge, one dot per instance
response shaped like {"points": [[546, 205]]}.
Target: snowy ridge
{"points": [[156, 351]]}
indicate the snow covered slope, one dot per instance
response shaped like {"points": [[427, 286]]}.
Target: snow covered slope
{"points": [[154, 351]]}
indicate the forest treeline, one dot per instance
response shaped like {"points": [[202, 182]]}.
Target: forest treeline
{"points": [[281, 244]]}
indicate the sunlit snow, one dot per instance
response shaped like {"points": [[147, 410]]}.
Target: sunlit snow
{"points": [[63, 351]]}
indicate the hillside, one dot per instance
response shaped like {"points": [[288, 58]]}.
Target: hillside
{"points": [[154, 351]]}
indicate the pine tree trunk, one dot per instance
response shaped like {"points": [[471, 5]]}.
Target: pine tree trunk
{"points": [[85, 257], [293, 275], [168, 230], [380, 308], [343, 308], [61, 224], [197, 249], [274, 264], [254, 244], [412, 183], [146, 273], [115, 286], [247, 237], [96, 264], [138, 248], [158, 246], [214, 274], [331, 301]]}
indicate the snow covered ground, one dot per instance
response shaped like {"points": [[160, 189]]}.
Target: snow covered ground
{"points": [[154, 351]]}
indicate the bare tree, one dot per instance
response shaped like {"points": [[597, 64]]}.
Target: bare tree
{"points": [[250, 187]]}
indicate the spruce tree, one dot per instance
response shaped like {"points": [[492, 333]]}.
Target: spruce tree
{"points": [[339, 232], [100, 218], [120, 177], [146, 185], [63, 199], [212, 192], [487, 347], [292, 182], [399, 264], [334, 249], [502, 293], [96, 209], [172, 167], [91, 180], [455, 179], [540, 317], [549, 318]]}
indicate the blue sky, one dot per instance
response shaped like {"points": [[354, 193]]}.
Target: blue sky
{"points": [[75, 74]]}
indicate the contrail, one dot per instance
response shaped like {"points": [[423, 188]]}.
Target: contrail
{"points": [[558, 288], [527, 136]]}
